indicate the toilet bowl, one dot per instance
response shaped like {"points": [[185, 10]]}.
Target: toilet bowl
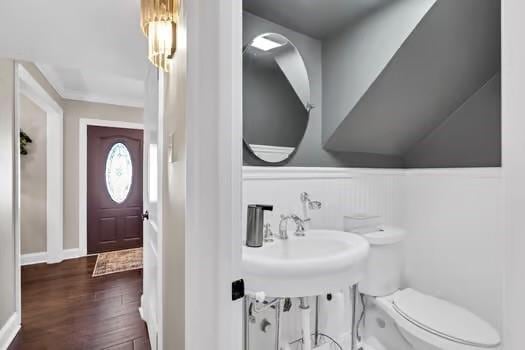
{"points": [[430, 323], [425, 322]]}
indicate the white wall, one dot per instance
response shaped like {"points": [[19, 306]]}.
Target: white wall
{"points": [[7, 183], [513, 129], [454, 220], [454, 249], [202, 199]]}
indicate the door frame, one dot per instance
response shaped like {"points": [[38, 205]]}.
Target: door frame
{"points": [[28, 86], [82, 171]]}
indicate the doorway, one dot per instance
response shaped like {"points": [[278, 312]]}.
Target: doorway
{"points": [[114, 189], [59, 300]]}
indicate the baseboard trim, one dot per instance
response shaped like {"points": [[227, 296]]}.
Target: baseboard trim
{"points": [[33, 258], [9, 331], [42, 258], [72, 253]]}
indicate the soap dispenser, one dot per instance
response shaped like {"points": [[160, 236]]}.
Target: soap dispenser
{"points": [[255, 227]]}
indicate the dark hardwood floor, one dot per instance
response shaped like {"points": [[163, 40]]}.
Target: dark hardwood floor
{"points": [[64, 308]]}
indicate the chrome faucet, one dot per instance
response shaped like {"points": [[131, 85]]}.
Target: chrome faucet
{"points": [[283, 225], [314, 205], [300, 223], [309, 204]]}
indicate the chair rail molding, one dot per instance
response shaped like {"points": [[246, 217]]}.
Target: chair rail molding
{"points": [[291, 173]]}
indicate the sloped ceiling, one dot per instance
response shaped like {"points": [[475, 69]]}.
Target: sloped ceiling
{"points": [[356, 56], [317, 19], [453, 51]]}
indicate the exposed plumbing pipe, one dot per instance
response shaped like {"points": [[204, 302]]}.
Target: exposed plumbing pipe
{"points": [[305, 323], [316, 329], [353, 290]]}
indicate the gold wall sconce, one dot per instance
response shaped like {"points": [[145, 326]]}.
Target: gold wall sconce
{"points": [[159, 24]]}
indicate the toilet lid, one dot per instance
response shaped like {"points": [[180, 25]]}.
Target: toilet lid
{"points": [[444, 319], [386, 235]]}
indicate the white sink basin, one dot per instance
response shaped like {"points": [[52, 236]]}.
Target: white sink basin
{"points": [[322, 261]]}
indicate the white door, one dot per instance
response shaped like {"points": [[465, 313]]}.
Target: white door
{"points": [[153, 151]]}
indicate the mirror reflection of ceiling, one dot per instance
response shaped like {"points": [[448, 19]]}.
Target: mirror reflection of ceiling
{"points": [[316, 18], [276, 93]]}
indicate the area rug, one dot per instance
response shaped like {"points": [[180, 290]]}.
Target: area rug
{"points": [[118, 261]]}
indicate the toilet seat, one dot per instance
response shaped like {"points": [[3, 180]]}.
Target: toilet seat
{"points": [[444, 319], [440, 322]]}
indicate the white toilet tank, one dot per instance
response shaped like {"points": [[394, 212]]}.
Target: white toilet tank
{"points": [[385, 262]]}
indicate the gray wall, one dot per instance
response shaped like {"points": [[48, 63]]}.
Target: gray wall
{"points": [[7, 236], [453, 51], [470, 137], [33, 179], [355, 57], [310, 152], [390, 79]]}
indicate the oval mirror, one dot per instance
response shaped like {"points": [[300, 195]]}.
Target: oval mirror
{"points": [[276, 97]]}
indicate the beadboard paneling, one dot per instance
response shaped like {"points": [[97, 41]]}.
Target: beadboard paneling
{"points": [[342, 192]]}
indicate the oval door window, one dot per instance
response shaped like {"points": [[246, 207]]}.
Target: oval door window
{"points": [[119, 172]]}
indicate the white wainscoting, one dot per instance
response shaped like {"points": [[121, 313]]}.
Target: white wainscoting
{"points": [[454, 220], [342, 191]]}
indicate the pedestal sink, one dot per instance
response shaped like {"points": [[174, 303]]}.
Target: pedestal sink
{"points": [[322, 261]]}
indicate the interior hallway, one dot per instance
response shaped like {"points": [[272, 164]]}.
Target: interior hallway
{"points": [[63, 307]]}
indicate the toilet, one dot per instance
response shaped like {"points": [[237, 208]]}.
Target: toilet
{"points": [[424, 322]]}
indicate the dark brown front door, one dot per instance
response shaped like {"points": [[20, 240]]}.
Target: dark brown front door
{"points": [[114, 185]]}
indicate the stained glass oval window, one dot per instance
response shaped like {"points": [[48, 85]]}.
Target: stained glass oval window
{"points": [[119, 172]]}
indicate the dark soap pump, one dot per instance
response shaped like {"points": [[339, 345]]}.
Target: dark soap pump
{"points": [[255, 227]]}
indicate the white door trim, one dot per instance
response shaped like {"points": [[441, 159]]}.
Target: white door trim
{"points": [[213, 178], [25, 84], [30, 88], [82, 171], [162, 158]]}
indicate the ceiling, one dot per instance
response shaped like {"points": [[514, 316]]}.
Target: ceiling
{"points": [[92, 48], [317, 19], [83, 85]]}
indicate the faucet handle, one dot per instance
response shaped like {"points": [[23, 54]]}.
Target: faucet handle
{"points": [[299, 231], [268, 234]]}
